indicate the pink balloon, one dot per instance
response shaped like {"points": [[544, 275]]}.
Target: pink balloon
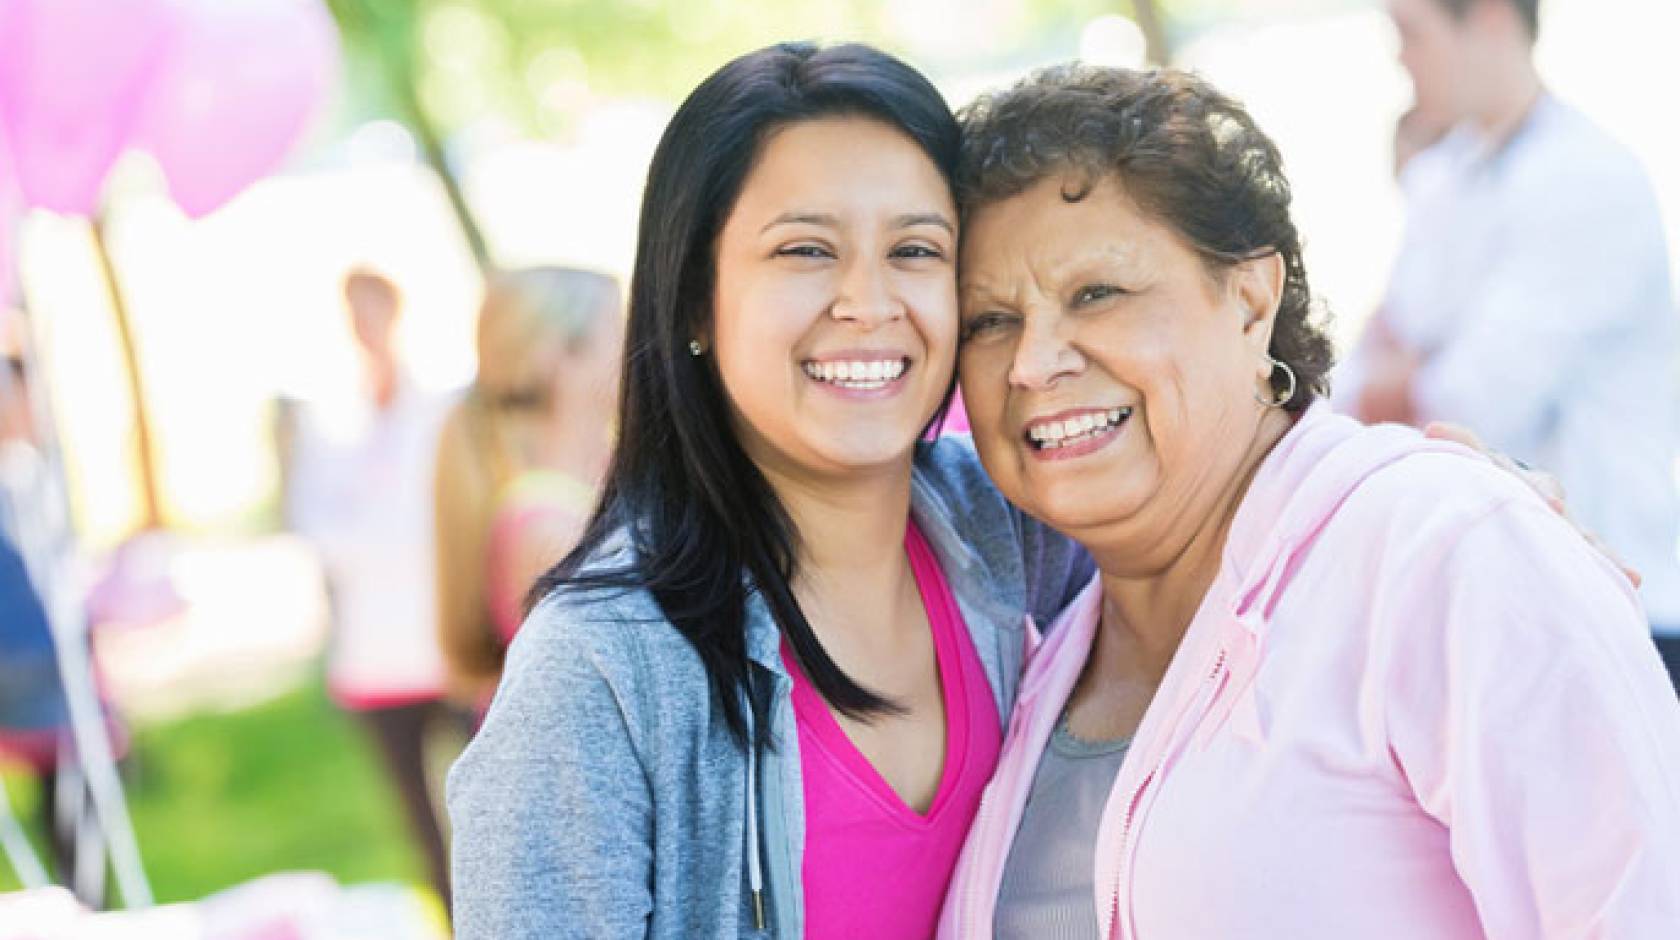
{"points": [[73, 77], [236, 94], [11, 211]]}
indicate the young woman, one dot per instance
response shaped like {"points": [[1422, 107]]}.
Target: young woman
{"points": [[520, 458], [766, 690]]}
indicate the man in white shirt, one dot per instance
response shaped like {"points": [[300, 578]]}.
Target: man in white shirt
{"points": [[1531, 300]]}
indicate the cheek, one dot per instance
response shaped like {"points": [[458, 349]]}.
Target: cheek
{"points": [[1210, 404], [933, 305], [747, 338], [757, 322], [1189, 382], [984, 375], [983, 372]]}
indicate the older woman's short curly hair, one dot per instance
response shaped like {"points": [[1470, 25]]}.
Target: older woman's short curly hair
{"points": [[1185, 152]]}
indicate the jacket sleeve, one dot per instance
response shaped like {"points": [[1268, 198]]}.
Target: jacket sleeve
{"points": [[1529, 713], [550, 804], [1057, 569]]}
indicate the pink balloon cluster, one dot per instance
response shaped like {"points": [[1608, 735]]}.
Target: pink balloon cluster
{"points": [[237, 92], [217, 90], [11, 208]]}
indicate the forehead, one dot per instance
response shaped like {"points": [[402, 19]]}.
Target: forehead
{"points": [[1044, 230], [840, 161]]}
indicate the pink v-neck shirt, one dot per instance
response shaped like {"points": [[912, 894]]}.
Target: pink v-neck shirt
{"points": [[874, 867], [1413, 704]]}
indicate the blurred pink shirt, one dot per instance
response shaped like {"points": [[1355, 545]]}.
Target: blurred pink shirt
{"points": [[534, 507], [1414, 703]]}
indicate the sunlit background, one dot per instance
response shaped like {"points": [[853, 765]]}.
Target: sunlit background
{"points": [[549, 113], [542, 114]]}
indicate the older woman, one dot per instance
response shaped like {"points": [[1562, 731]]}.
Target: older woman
{"points": [[1331, 681]]}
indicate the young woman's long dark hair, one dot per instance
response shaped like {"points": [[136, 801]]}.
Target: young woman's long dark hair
{"points": [[704, 524]]}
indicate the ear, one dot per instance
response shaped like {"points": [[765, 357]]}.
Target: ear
{"points": [[1258, 286]]}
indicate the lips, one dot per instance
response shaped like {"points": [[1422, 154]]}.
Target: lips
{"points": [[1073, 427]]}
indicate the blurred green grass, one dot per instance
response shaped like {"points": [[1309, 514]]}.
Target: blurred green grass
{"points": [[290, 784]]}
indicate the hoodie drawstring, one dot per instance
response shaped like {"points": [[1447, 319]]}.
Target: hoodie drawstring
{"points": [[755, 864], [755, 850]]}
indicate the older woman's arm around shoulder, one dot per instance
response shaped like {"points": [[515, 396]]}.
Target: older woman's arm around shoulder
{"points": [[550, 803], [1531, 716]]}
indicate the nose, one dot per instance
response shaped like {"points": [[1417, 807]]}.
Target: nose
{"points": [[866, 296], [1043, 354]]}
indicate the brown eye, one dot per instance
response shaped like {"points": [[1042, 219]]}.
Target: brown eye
{"points": [[804, 251], [992, 321], [1092, 293], [917, 252]]}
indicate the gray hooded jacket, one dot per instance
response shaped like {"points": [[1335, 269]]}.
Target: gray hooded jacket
{"points": [[604, 796]]}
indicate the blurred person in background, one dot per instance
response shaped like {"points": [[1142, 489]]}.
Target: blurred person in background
{"points": [[520, 458], [356, 484], [1415, 132], [33, 713], [1531, 298]]}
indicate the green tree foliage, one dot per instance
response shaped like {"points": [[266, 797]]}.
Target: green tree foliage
{"points": [[537, 63]]}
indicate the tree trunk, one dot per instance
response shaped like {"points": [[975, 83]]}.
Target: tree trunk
{"points": [[388, 29], [151, 503], [1153, 23]]}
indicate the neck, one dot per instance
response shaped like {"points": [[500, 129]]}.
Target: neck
{"points": [[1509, 102], [382, 379], [850, 533], [1154, 582]]}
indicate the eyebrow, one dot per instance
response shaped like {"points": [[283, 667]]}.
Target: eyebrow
{"points": [[911, 219], [907, 220], [977, 293]]}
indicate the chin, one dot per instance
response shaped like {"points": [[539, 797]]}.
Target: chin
{"points": [[866, 448], [1082, 506]]}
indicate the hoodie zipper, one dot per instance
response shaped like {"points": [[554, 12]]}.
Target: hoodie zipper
{"points": [[1212, 684], [981, 892]]}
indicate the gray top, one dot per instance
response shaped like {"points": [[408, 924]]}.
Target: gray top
{"points": [[604, 797], [1047, 891]]}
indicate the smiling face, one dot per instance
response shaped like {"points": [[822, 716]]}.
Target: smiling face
{"points": [[1109, 376], [834, 326]]}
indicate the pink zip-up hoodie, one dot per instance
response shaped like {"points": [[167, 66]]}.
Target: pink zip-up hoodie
{"points": [[1414, 704]]}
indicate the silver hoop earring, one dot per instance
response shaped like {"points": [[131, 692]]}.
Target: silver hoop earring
{"points": [[694, 347], [1279, 399]]}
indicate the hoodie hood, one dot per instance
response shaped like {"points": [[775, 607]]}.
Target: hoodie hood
{"points": [[1298, 488]]}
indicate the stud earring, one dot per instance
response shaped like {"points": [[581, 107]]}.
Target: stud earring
{"points": [[694, 347]]}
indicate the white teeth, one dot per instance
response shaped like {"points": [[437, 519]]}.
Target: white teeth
{"points": [[1050, 435], [873, 373]]}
